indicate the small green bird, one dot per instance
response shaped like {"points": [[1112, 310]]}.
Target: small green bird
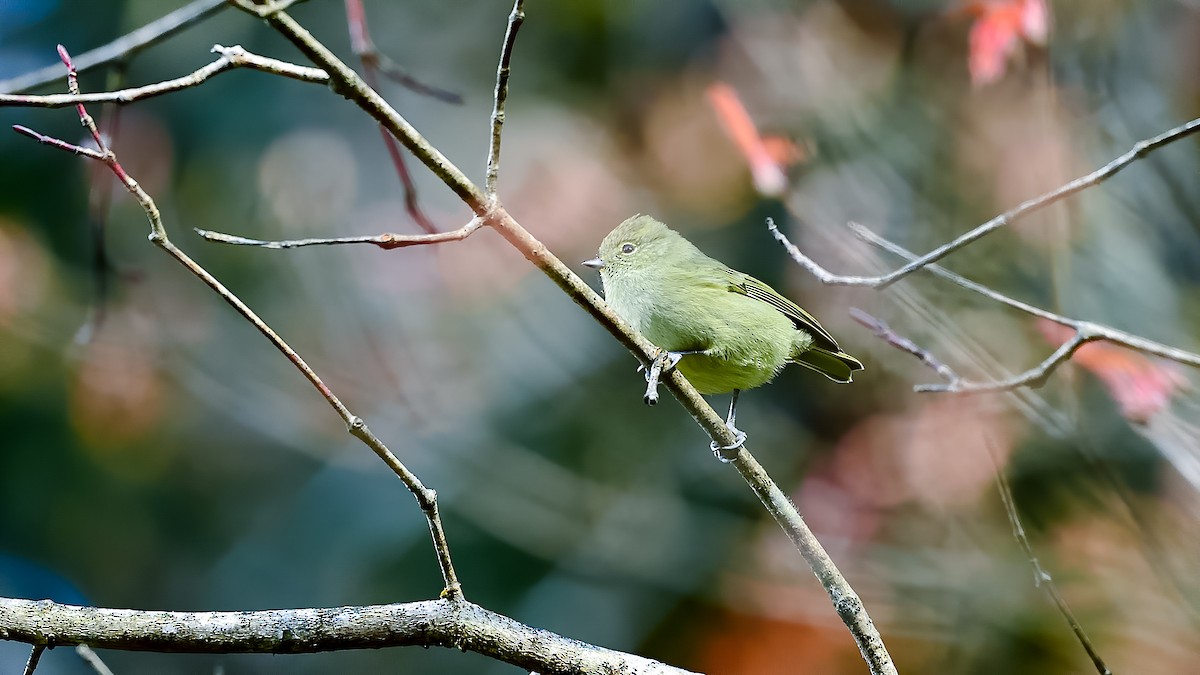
{"points": [[726, 330]]}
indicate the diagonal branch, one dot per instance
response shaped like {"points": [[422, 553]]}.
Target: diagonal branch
{"points": [[1139, 150], [121, 48], [360, 41], [373, 59], [432, 623], [1041, 578]]}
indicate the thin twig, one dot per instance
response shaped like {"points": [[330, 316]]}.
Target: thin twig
{"points": [[1085, 331], [1139, 150], [503, 70], [99, 200], [1041, 578], [93, 659], [885, 332], [372, 59], [120, 49], [398, 74], [385, 241], [1034, 377], [360, 42], [231, 57], [426, 497], [35, 655]]}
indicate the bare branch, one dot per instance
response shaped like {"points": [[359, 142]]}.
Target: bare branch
{"points": [[398, 74], [1139, 150], [372, 59], [431, 623], [1034, 377], [231, 57], [884, 332], [515, 19], [426, 497], [360, 41], [1085, 331], [121, 48], [385, 241]]}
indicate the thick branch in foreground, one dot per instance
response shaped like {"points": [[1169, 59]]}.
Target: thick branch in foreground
{"points": [[432, 623]]}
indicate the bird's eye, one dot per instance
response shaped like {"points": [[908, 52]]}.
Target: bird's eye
{"points": [[627, 249]]}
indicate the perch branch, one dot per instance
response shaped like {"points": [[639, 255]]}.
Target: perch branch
{"points": [[431, 623], [347, 83]]}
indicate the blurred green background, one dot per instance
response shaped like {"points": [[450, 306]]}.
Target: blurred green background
{"points": [[174, 460]]}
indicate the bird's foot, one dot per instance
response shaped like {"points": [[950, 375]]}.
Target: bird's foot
{"points": [[728, 453], [662, 364]]}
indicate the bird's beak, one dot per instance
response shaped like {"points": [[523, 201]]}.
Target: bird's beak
{"points": [[594, 263]]}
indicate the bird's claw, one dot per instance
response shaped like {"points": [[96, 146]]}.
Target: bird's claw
{"points": [[728, 453], [665, 362], [662, 364]]}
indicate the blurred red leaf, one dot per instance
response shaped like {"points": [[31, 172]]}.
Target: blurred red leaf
{"points": [[999, 27], [766, 157], [1141, 386]]}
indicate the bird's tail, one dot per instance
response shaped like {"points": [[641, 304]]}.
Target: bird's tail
{"points": [[837, 366]]}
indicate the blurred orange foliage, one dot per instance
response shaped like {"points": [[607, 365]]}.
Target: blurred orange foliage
{"points": [[999, 27]]}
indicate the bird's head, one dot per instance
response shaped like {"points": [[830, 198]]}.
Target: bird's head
{"points": [[641, 242]]}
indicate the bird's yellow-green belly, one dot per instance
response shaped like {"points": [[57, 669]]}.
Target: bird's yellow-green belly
{"points": [[713, 375]]}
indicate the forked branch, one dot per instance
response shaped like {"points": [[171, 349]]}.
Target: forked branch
{"points": [[1139, 150]]}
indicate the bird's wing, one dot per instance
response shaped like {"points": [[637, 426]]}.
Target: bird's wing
{"points": [[751, 287]]}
